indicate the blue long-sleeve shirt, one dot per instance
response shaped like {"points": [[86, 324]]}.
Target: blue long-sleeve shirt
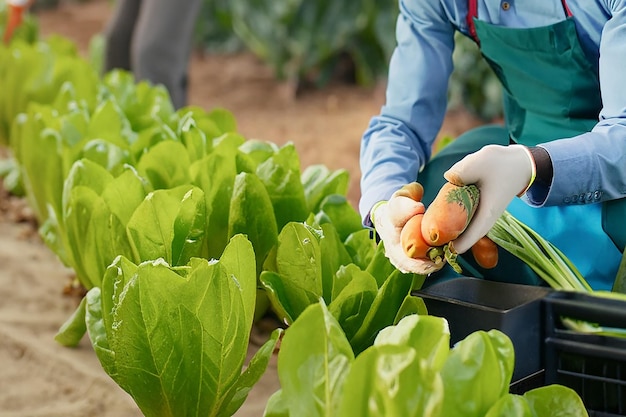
{"points": [[398, 141]]}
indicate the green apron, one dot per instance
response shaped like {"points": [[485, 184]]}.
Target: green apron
{"points": [[551, 91]]}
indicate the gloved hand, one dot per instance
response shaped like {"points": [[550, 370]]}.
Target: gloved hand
{"points": [[500, 173], [389, 217]]}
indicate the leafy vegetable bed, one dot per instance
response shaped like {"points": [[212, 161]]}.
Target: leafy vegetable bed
{"points": [[183, 231]]}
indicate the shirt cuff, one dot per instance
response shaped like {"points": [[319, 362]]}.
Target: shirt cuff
{"points": [[537, 193]]}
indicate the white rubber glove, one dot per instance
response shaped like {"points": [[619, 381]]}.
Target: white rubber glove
{"points": [[500, 173], [389, 217]]}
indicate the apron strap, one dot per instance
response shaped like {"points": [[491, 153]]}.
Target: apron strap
{"points": [[566, 9], [472, 12]]}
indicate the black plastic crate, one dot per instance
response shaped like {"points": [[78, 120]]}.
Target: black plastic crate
{"points": [[471, 304], [593, 365]]}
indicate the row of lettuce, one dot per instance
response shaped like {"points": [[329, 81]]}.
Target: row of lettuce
{"points": [[184, 232]]}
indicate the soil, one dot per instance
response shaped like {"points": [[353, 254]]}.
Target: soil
{"points": [[39, 377]]}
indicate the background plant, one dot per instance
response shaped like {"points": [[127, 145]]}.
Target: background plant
{"points": [[316, 41]]}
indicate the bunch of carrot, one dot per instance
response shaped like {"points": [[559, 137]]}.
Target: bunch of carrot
{"points": [[429, 235]]}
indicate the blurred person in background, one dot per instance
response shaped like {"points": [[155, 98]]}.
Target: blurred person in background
{"points": [[153, 39], [15, 16], [559, 162]]}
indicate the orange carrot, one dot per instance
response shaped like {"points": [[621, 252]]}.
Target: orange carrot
{"points": [[485, 252], [449, 213], [411, 238], [413, 190]]}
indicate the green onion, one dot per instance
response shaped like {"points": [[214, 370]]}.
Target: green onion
{"points": [[581, 326], [552, 266], [539, 254]]}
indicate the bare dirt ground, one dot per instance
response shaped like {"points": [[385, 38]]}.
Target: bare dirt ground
{"points": [[38, 377]]}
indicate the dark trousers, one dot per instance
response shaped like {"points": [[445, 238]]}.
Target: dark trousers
{"points": [[153, 40]]}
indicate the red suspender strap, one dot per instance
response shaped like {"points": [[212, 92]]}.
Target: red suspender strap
{"points": [[471, 14], [568, 12]]}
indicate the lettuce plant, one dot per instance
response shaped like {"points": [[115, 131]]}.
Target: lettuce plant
{"points": [[97, 210], [53, 138], [310, 263], [184, 207], [410, 370], [176, 339], [35, 72]]}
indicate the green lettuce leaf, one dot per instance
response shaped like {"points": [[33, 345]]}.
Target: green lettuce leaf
{"points": [[176, 338], [251, 213], [292, 273], [280, 174], [215, 175], [390, 381], [74, 328], [163, 171], [555, 400], [430, 335], [352, 303], [336, 209], [361, 247], [169, 224], [319, 181], [383, 311], [511, 405], [312, 374], [333, 255], [96, 211], [477, 373]]}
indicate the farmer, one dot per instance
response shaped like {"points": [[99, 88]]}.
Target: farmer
{"points": [[15, 15], [153, 39], [559, 162]]}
